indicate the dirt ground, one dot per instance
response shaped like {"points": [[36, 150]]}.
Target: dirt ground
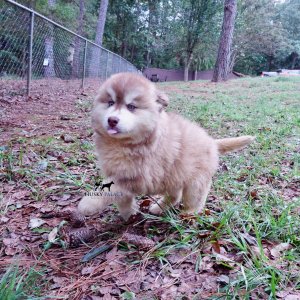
{"points": [[55, 109], [47, 164]]}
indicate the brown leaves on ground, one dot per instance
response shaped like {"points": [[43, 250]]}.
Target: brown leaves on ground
{"points": [[49, 109], [123, 259], [134, 258]]}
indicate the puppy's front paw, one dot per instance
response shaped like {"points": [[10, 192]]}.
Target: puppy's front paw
{"points": [[127, 209], [89, 205], [155, 209]]}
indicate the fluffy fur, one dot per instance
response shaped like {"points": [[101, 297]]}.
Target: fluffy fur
{"points": [[145, 150]]}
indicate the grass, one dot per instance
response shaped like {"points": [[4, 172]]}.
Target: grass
{"points": [[16, 284], [253, 205], [270, 110], [37, 166]]}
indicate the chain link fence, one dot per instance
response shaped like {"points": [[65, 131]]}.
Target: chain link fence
{"points": [[33, 48]]}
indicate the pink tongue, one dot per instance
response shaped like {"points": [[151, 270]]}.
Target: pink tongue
{"points": [[112, 131]]}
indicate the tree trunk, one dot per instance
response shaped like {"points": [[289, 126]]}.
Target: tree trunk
{"points": [[101, 22], [294, 56], [187, 64], [148, 58], [186, 73], [132, 53], [49, 44], [124, 48], [77, 42], [232, 61], [95, 64], [152, 28], [270, 62], [222, 66]]}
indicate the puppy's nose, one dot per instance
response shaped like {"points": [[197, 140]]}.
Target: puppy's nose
{"points": [[113, 121]]}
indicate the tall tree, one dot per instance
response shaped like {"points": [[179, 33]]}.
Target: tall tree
{"points": [[172, 34], [96, 52], [49, 70], [222, 66], [101, 22], [78, 41], [196, 21], [290, 20], [260, 41]]}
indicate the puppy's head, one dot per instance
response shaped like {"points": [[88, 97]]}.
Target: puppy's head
{"points": [[127, 106]]}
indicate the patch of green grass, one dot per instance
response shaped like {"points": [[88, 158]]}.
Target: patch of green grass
{"points": [[16, 284], [30, 162], [268, 109]]}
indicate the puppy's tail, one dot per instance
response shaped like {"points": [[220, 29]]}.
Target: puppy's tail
{"points": [[232, 144]]}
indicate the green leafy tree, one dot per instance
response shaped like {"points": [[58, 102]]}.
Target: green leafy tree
{"points": [[195, 22], [259, 37], [289, 16]]}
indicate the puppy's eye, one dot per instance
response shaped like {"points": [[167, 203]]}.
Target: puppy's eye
{"points": [[131, 107], [110, 103]]}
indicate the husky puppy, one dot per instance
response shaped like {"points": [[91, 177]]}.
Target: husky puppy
{"points": [[145, 150]]}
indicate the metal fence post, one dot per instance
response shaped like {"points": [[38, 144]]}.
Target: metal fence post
{"points": [[106, 67], [84, 63], [119, 67], [30, 52]]}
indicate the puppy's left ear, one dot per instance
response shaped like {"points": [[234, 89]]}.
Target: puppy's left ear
{"points": [[162, 99]]}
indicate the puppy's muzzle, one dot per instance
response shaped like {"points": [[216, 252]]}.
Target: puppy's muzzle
{"points": [[113, 121]]}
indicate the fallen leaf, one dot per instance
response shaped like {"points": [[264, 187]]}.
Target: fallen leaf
{"points": [[223, 279], [42, 165], [20, 195], [58, 282], [145, 203], [87, 270], [105, 289], [222, 258], [4, 220], [63, 197], [249, 238], [52, 235], [175, 273], [216, 247], [46, 209], [242, 178], [68, 138], [204, 234], [292, 297], [62, 203], [35, 223], [282, 294], [19, 205], [207, 212], [254, 194], [12, 246], [139, 241], [276, 251]]}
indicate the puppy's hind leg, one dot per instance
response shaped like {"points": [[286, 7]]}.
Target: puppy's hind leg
{"points": [[170, 199], [90, 205], [195, 194]]}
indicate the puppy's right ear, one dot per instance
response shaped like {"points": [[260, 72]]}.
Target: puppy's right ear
{"points": [[162, 99]]}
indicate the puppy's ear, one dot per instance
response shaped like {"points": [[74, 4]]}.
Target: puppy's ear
{"points": [[162, 99]]}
